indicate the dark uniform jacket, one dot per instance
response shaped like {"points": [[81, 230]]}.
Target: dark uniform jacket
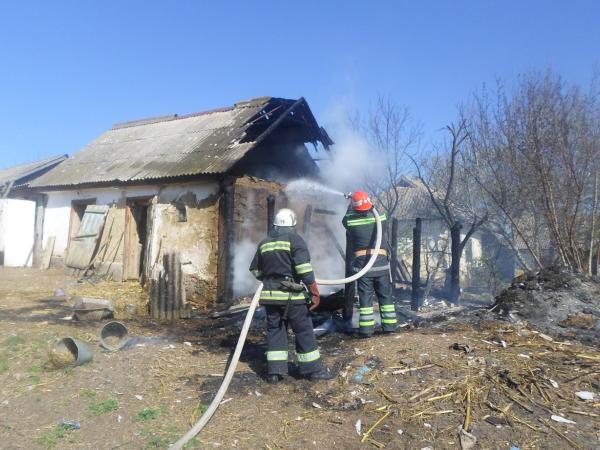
{"points": [[362, 228], [282, 256]]}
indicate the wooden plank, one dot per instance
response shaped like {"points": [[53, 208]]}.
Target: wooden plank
{"points": [[47, 252], [83, 248], [170, 285], [184, 313], [394, 252], [416, 266], [154, 300], [226, 241], [162, 292], [38, 231]]}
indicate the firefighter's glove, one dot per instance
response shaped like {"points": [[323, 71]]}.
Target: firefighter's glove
{"points": [[315, 297]]}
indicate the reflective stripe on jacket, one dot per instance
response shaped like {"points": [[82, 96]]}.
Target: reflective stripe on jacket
{"points": [[362, 229], [282, 256]]}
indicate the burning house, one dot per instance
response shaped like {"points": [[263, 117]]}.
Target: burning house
{"points": [[194, 184]]}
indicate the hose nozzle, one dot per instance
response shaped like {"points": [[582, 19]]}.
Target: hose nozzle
{"points": [[348, 195]]}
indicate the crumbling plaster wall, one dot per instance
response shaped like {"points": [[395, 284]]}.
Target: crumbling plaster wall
{"points": [[196, 240]]}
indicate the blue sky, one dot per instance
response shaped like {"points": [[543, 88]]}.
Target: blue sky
{"points": [[71, 69]]}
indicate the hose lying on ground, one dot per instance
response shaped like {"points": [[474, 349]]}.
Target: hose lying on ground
{"points": [[228, 376], [242, 339]]}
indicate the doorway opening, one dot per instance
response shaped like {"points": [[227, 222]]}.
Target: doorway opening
{"points": [[136, 238]]}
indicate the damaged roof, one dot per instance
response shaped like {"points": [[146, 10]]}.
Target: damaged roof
{"points": [[174, 146], [414, 201], [21, 175]]}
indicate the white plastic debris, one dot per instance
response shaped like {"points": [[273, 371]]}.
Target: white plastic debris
{"points": [[189, 344], [503, 343], [139, 397], [358, 426], [358, 352], [119, 418], [427, 425], [467, 440], [258, 394], [522, 355], [316, 405], [400, 432], [561, 419], [585, 395], [553, 383]]}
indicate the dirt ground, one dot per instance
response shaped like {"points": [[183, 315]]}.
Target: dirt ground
{"points": [[415, 393]]}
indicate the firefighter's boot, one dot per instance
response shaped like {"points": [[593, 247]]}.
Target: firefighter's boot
{"points": [[323, 374], [274, 378]]}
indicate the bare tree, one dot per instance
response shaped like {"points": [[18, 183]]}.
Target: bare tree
{"points": [[452, 195], [533, 152], [391, 133]]}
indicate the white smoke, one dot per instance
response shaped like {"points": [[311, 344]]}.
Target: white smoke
{"points": [[347, 168], [351, 162], [306, 185], [244, 283]]}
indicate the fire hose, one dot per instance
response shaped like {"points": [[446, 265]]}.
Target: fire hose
{"points": [[369, 264], [242, 339]]}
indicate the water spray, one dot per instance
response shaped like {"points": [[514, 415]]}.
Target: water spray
{"points": [[311, 185]]}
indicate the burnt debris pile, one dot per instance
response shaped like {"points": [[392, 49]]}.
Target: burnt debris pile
{"points": [[556, 301]]}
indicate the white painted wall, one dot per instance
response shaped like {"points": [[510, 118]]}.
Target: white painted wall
{"points": [[58, 208], [17, 223]]}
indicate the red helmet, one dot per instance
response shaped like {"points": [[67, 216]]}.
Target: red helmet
{"points": [[361, 201]]}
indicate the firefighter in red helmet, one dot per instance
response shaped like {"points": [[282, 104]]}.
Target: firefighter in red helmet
{"points": [[361, 225]]}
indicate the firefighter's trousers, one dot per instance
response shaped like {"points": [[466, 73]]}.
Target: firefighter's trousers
{"points": [[380, 286], [307, 352]]}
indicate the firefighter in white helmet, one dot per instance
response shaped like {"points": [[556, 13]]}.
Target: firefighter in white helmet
{"points": [[282, 263]]}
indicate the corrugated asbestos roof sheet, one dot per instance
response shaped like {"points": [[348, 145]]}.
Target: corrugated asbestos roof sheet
{"points": [[204, 143], [414, 201], [26, 171]]}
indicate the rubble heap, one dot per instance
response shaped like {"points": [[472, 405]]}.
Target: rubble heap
{"points": [[556, 301]]}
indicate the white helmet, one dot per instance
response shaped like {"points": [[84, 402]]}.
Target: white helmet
{"points": [[285, 218]]}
